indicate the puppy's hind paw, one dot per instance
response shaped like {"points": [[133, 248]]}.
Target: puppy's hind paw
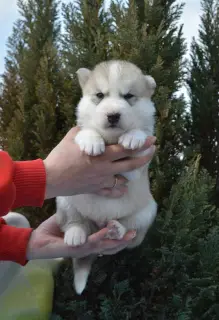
{"points": [[116, 230]]}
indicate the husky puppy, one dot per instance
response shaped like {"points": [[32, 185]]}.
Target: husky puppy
{"points": [[115, 107]]}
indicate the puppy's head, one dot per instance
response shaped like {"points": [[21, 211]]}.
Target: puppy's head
{"points": [[116, 98]]}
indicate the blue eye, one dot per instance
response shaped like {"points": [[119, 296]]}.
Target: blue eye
{"points": [[100, 95], [128, 96]]}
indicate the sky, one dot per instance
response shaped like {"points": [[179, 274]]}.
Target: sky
{"points": [[9, 14]]}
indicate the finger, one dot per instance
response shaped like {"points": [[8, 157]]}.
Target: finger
{"points": [[127, 239], [72, 132], [115, 181], [96, 243], [133, 163], [98, 236], [113, 243], [129, 236], [116, 152], [113, 193]]}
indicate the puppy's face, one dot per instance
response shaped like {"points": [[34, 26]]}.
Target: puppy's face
{"points": [[116, 98]]}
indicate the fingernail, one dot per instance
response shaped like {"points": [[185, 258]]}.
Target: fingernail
{"points": [[152, 139]]}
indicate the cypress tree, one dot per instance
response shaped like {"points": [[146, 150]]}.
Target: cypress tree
{"points": [[36, 96], [203, 84]]}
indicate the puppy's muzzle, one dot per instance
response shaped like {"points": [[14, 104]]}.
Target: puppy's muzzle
{"points": [[113, 119]]}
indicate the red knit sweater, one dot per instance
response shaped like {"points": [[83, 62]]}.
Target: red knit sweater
{"points": [[21, 184]]}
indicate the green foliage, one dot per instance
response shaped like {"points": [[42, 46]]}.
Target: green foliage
{"points": [[36, 97], [155, 44], [203, 86], [172, 275]]}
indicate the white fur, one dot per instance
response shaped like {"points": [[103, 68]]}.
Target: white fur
{"points": [[90, 142], [81, 215], [116, 230], [133, 139], [76, 235]]}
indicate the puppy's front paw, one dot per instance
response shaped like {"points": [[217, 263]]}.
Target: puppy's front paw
{"points": [[75, 236], [116, 230], [133, 139], [90, 142]]}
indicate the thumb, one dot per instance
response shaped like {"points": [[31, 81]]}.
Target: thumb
{"points": [[98, 236], [72, 132]]}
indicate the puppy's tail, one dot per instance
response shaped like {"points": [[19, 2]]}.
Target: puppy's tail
{"points": [[81, 269]]}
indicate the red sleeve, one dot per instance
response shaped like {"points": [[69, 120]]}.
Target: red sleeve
{"points": [[21, 184]]}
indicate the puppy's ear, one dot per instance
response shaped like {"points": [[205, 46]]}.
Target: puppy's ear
{"points": [[83, 75], [150, 85]]}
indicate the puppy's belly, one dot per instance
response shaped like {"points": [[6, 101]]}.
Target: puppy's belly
{"points": [[102, 209]]}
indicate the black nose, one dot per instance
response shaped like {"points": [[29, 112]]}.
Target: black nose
{"points": [[113, 118]]}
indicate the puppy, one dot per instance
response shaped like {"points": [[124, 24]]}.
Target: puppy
{"points": [[116, 107]]}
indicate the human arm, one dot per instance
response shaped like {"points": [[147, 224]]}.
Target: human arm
{"points": [[47, 242], [66, 171], [21, 184]]}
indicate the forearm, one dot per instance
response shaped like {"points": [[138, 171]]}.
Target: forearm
{"points": [[30, 183], [21, 184], [13, 243]]}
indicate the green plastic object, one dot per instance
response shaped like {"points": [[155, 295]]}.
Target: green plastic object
{"points": [[30, 294]]}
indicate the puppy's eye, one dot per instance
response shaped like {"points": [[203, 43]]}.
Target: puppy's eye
{"points": [[128, 96], [100, 95]]}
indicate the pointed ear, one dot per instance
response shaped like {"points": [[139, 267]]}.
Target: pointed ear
{"points": [[151, 85], [83, 75]]}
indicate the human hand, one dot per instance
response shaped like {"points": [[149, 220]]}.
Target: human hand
{"points": [[70, 171], [46, 242]]}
